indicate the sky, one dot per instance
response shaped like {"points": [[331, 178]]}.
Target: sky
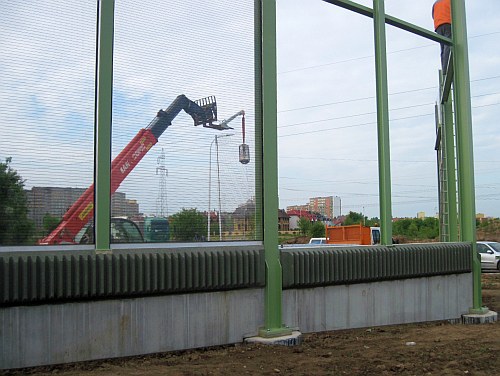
{"points": [[327, 106], [326, 100], [47, 96]]}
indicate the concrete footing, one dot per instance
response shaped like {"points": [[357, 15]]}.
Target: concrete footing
{"points": [[474, 318], [293, 339]]}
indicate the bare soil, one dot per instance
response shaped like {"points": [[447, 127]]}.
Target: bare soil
{"points": [[437, 348]]}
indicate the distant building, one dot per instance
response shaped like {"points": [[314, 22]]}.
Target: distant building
{"points": [[283, 220], [329, 207], [421, 215], [56, 201], [295, 215], [244, 218], [50, 200], [123, 207], [298, 208], [337, 221]]}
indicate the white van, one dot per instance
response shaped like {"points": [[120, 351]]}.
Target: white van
{"points": [[317, 241]]}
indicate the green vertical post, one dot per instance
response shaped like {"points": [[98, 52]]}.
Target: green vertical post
{"points": [[104, 89], [384, 158], [273, 291], [440, 148], [258, 162], [451, 178], [463, 114]]}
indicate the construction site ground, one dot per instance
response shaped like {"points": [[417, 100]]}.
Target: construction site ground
{"points": [[434, 348]]}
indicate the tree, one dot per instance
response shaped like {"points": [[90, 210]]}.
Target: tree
{"points": [[317, 230], [50, 223], [15, 227], [416, 228], [304, 225], [188, 225], [354, 218]]}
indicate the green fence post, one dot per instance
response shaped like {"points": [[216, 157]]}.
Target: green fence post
{"points": [[451, 178], [464, 144], [104, 94], [384, 158], [273, 291], [258, 162]]}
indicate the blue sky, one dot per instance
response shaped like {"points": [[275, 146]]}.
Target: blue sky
{"points": [[326, 99]]}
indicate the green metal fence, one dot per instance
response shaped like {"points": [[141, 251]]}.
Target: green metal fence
{"points": [[348, 265], [50, 278], [62, 277]]}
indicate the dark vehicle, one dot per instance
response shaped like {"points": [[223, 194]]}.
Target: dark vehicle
{"points": [[122, 230], [156, 230]]}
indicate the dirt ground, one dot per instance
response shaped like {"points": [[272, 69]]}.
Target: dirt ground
{"points": [[437, 348]]}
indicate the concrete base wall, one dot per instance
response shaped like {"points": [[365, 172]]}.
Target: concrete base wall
{"points": [[374, 304], [71, 332]]}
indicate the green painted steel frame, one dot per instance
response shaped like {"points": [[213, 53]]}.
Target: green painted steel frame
{"points": [[461, 83], [267, 194], [104, 96], [267, 81], [465, 159], [390, 20], [448, 147], [384, 156], [273, 291]]}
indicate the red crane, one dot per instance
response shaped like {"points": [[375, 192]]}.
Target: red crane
{"points": [[203, 112]]}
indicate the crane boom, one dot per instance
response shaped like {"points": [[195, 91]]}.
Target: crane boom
{"points": [[203, 112]]}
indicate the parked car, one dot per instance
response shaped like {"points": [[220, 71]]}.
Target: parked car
{"points": [[490, 255], [317, 241]]}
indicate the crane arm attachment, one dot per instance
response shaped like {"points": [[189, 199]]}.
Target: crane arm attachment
{"points": [[203, 112], [244, 149]]}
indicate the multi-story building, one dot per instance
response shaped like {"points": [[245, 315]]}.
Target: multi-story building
{"points": [[123, 207], [283, 220], [329, 207], [50, 200], [299, 208], [56, 201]]}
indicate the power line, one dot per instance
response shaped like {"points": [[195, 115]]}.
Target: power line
{"points": [[371, 56], [355, 115], [371, 123], [354, 125], [371, 160], [373, 97]]}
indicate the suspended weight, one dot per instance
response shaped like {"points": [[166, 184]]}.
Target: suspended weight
{"points": [[244, 154]]}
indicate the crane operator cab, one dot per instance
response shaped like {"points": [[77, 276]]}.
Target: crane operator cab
{"points": [[122, 230]]}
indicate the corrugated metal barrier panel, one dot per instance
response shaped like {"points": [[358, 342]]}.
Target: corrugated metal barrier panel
{"points": [[323, 265], [45, 278]]}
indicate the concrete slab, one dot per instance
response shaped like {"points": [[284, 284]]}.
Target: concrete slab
{"points": [[474, 318], [293, 339]]}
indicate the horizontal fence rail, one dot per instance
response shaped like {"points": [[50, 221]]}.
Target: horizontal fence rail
{"points": [[321, 266], [46, 278]]}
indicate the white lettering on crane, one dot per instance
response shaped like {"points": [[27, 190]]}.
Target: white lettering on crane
{"points": [[138, 152], [124, 167]]}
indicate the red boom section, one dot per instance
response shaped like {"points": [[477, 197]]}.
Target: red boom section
{"points": [[82, 211]]}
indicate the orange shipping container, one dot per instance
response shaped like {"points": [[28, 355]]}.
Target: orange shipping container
{"points": [[354, 234]]}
